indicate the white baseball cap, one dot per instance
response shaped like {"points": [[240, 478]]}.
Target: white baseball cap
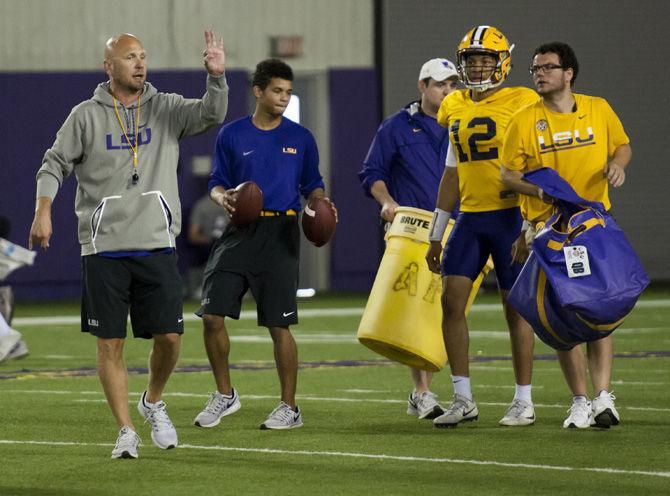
{"points": [[438, 69]]}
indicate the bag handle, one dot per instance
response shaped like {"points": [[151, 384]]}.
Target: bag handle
{"points": [[573, 233]]}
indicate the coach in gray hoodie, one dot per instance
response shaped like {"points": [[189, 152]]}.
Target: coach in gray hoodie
{"points": [[122, 146]]}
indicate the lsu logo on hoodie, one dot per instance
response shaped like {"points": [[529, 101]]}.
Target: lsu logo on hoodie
{"points": [[119, 141]]}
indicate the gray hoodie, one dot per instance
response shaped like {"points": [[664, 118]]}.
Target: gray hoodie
{"points": [[114, 214]]}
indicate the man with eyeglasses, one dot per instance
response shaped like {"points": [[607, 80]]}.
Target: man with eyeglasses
{"points": [[489, 220], [581, 138]]}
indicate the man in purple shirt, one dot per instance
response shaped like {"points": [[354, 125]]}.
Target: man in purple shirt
{"points": [[403, 167]]}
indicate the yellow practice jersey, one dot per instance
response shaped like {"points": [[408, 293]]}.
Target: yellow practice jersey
{"points": [[476, 131], [576, 144]]}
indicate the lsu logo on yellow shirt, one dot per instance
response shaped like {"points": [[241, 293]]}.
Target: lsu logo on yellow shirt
{"points": [[288, 149], [575, 144], [563, 140]]}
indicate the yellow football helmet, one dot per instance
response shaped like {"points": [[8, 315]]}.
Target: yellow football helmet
{"points": [[485, 40]]}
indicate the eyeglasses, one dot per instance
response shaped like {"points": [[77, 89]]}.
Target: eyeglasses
{"points": [[534, 69]]}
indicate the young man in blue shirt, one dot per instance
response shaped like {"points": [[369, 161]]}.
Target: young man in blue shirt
{"points": [[282, 158], [403, 167]]}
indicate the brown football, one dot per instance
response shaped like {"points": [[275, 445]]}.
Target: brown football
{"points": [[248, 203], [319, 221]]}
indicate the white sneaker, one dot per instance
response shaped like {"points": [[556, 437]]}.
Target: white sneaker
{"points": [[424, 405], [217, 407], [427, 406], [604, 412], [411, 404], [7, 342], [19, 351], [520, 412], [126, 444], [580, 415], [163, 433], [283, 417], [461, 410]]}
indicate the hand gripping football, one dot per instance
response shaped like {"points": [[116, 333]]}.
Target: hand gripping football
{"points": [[248, 203], [319, 221]]}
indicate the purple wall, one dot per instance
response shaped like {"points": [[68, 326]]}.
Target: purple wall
{"points": [[34, 106], [354, 114]]}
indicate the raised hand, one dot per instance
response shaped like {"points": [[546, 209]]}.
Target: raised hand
{"points": [[213, 55]]}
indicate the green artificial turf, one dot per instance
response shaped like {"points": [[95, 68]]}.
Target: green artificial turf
{"points": [[56, 431]]}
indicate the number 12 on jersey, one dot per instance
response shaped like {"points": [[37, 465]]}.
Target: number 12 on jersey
{"points": [[473, 141]]}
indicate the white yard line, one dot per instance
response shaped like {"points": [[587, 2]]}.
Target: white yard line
{"points": [[299, 397], [372, 456], [640, 330], [306, 313], [365, 391], [312, 337], [638, 383]]}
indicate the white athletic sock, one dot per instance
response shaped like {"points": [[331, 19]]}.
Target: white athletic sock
{"points": [[523, 393], [603, 392], [229, 395], [579, 399], [4, 328], [462, 385]]}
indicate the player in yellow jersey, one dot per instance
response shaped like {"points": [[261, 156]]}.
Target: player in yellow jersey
{"points": [[489, 220], [583, 140]]}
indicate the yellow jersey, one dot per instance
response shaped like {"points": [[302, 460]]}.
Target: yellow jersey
{"points": [[576, 144], [476, 131]]}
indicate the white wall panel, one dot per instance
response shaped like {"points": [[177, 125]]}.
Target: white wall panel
{"points": [[70, 34]]}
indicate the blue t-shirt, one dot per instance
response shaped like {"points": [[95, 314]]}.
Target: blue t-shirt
{"points": [[408, 154], [283, 161]]}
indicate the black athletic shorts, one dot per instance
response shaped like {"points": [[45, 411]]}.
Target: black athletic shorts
{"points": [[149, 286], [262, 257]]}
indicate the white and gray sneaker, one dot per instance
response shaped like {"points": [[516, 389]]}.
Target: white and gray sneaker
{"points": [[461, 409], [283, 417], [411, 404], [580, 415], [218, 406], [126, 444], [424, 405], [520, 412], [604, 412], [7, 342], [19, 351], [163, 433]]}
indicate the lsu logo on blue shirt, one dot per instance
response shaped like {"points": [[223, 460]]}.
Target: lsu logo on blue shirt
{"points": [[143, 138], [288, 149], [566, 140]]}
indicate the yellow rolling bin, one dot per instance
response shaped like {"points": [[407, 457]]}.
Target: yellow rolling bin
{"points": [[403, 316]]}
